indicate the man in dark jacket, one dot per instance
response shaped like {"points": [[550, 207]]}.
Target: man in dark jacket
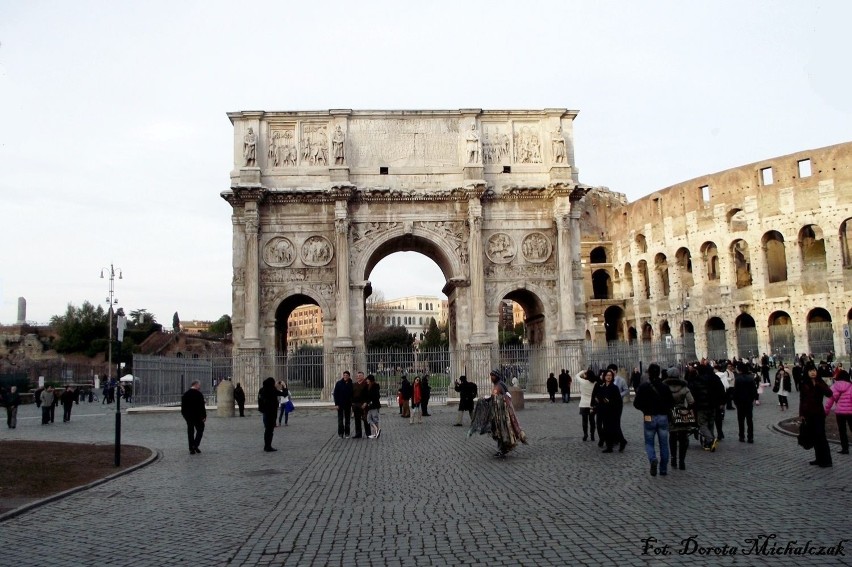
{"points": [[240, 398], [467, 394], [565, 386], [12, 401], [552, 387], [343, 404], [67, 399], [194, 412], [654, 399], [425, 394], [709, 393], [745, 394], [267, 404]]}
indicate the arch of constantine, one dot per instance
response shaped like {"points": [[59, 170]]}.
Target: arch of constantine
{"points": [[492, 197], [751, 260]]}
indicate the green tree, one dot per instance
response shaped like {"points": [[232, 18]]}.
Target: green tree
{"points": [[221, 327], [176, 322], [433, 338], [391, 338], [81, 329]]}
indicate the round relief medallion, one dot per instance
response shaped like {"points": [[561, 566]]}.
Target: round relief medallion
{"points": [[500, 248], [536, 248], [279, 252], [316, 251]]}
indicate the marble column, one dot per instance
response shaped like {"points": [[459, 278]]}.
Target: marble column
{"points": [[477, 275], [251, 336], [579, 299], [341, 225], [564, 251]]}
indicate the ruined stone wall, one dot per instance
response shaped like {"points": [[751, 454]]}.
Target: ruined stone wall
{"points": [[758, 255]]}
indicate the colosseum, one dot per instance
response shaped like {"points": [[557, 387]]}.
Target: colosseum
{"points": [[752, 260]]}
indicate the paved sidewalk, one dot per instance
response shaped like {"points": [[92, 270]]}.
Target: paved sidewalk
{"points": [[428, 495]]}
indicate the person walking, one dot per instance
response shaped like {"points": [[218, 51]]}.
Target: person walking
{"points": [[564, 386], [552, 386], [12, 401], [405, 396], [425, 394], [343, 404], [500, 417], [678, 433], [360, 405], [284, 403], [587, 416], [654, 399], [67, 399], [467, 394], [841, 394], [240, 398], [374, 401], [194, 411], [416, 398], [812, 411], [745, 396], [705, 388], [783, 387], [47, 398]]}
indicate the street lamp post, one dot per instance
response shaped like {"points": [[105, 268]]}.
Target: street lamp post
{"points": [[111, 301]]}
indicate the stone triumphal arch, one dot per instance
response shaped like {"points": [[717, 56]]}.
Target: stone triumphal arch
{"points": [[492, 197]]}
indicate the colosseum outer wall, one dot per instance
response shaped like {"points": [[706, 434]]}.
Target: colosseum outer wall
{"points": [[745, 261]]}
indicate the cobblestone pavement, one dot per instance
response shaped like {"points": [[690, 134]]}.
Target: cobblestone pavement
{"points": [[429, 495]]}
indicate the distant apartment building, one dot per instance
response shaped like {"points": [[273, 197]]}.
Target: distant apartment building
{"points": [[413, 312], [304, 327]]}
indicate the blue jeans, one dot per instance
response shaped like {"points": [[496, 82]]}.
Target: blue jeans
{"points": [[659, 427]]}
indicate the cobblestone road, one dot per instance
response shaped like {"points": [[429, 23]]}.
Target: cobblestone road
{"points": [[429, 495]]}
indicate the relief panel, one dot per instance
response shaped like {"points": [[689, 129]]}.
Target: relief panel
{"points": [[409, 142], [527, 138]]}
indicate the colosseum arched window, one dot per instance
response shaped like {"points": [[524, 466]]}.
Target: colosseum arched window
{"points": [[812, 245], [665, 328], [710, 255], [601, 285], [746, 336], [614, 323], [661, 267], [647, 332], [644, 283], [741, 263], [820, 333], [627, 281], [717, 345], [846, 242], [776, 256], [737, 220], [641, 243], [683, 258], [598, 255], [781, 336]]}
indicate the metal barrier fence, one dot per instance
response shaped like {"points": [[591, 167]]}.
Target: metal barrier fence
{"points": [[310, 375]]}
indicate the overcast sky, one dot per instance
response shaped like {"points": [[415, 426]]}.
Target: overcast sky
{"points": [[114, 143]]}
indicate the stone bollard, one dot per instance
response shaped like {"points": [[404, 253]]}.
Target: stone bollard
{"points": [[225, 399], [517, 398]]}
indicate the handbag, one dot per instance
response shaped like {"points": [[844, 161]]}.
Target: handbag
{"points": [[288, 405], [683, 419], [806, 437]]}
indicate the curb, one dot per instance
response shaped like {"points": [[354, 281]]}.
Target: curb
{"points": [[156, 455]]}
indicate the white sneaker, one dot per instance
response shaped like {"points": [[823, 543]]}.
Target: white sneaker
{"points": [[371, 436]]}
